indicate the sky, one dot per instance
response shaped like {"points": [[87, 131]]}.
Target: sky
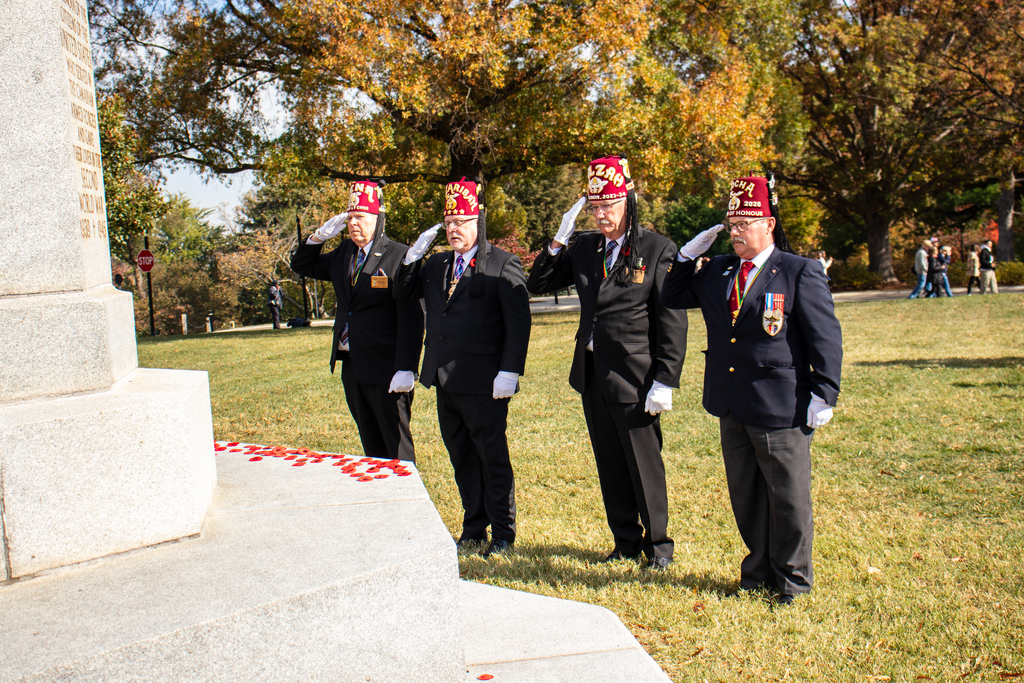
{"points": [[220, 196]]}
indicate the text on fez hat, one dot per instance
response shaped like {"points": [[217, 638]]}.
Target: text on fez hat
{"points": [[749, 197], [460, 198], [365, 196], [608, 178]]}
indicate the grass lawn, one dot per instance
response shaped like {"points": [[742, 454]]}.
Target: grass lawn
{"points": [[918, 494]]}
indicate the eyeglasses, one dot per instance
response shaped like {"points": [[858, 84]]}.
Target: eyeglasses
{"points": [[743, 226], [457, 223], [595, 209]]}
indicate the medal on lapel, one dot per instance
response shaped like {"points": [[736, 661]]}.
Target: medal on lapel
{"points": [[772, 318], [638, 272]]}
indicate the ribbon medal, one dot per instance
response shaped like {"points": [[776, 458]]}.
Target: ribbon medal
{"points": [[773, 307]]}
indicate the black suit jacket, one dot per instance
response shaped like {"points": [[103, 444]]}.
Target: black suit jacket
{"points": [[760, 379], [470, 338], [636, 339], [384, 336]]}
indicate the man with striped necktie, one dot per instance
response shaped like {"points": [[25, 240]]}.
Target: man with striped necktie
{"points": [[478, 331], [628, 354], [771, 376], [377, 339]]}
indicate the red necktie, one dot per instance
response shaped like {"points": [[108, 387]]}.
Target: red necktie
{"points": [[739, 290]]}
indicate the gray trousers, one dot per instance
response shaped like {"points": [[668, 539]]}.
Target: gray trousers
{"points": [[988, 282], [769, 476]]}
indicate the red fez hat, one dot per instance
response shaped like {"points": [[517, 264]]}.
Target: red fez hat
{"points": [[749, 198], [460, 199], [608, 178], [365, 196]]}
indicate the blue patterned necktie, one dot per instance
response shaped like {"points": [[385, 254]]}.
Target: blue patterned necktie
{"points": [[459, 268], [360, 259], [609, 256]]}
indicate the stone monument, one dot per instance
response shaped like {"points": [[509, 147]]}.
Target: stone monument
{"points": [[97, 456]]}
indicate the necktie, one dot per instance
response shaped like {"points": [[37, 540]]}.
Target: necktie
{"points": [[739, 290], [460, 267], [360, 259], [609, 256]]}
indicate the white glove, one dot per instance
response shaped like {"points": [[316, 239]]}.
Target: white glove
{"points": [[818, 413], [505, 384], [568, 226], [402, 382], [659, 398], [699, 244], [417, 250], [329, 229]]}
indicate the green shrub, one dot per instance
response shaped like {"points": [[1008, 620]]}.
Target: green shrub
{"points": [[957, 273], [853, 278], [1010, 273]]}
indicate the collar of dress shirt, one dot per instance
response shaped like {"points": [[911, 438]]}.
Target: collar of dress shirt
{"points": [[467, 257], [616, 250], [366, 249], [758, 261]]}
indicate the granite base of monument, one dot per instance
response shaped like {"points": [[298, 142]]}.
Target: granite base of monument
{"points": [[300, 574], [93, 474]]}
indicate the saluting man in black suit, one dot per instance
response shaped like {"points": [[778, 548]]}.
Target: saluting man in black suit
{"points": [[478, 331], [771, 376], [628, 356], [377, 339]]}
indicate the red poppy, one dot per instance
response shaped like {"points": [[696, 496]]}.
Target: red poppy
{"points": [[625, 251], [338, 464], [472, 263], [290, 457], [484, 677], [298, 463], [233, 443], [316, 460], [373, 470], [255, 459], [403, 474], [365, 479], [357, 474], [220, 448]]}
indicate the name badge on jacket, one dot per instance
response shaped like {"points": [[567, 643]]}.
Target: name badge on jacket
{"points": [[379, 280], [774, 304]]}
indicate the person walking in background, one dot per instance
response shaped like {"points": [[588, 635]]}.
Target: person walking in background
{"points": [[377, 339], [936, 268], [973, 271], [627, 356], [274, 302], [478, 332], [946, 257], [771, 376], [920, 269], [987, 268], [825, 263]]}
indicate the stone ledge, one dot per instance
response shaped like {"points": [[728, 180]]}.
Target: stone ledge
{"points": [[58, 344], [96, 474]]}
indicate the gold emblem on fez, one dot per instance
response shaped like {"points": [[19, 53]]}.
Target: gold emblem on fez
{"points": [[450, 203], [734, 203], [625, 169], [596, 185], [353, 200]]}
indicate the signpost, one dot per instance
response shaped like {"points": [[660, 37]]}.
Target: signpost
{"points": [[146, 260]]}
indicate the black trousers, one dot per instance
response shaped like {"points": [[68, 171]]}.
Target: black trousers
{"points": [[769, 475], [473, 430], [627, 449], [275, 316], [382, 417]]}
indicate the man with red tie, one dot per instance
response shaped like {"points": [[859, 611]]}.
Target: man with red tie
{"points": [[478, 332], [628, 354], [771, 376], [377, 339]]}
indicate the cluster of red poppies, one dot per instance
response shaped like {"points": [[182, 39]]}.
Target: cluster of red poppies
{"points": [[361, 469]]}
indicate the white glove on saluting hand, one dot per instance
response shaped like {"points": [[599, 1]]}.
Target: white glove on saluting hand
{"points": [[568, 226], [699, 244], [417, 250], [402, 382], [659, 398], [329, 229], [818, 413], [505, 384]]}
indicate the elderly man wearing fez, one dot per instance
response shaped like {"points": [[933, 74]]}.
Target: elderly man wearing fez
{"points": [[376, 338], [771, 377], [628, 355], [478, 331]]}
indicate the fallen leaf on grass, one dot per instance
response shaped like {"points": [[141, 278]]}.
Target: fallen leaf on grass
{"points": [[887, 473], [697, 651], [1006, 674], [698, 607], [879, 678], [874, 570]]}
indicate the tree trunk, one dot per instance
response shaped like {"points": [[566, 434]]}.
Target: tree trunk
{"points": [[1004, 205], [879, 247]]}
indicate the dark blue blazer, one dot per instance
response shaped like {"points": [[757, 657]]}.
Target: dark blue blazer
{"points": [[760, 379]]}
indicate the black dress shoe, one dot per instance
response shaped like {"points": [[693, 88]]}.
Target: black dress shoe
{"points": [[617, 556], [497, 547], [659, 564], [783, 599], [469, 543]]}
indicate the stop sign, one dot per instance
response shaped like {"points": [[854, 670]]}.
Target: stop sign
{"points": [[145, 260]]}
